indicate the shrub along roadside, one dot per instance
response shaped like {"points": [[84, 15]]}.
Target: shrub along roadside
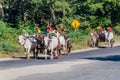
{"points": [[9, 47]]}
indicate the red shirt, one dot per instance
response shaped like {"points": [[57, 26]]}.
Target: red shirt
{"points": [[59, 30], [49, 27], [101, 28], [110, 29]]}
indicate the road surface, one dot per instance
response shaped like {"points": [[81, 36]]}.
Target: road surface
{"points": [[96, 64]]}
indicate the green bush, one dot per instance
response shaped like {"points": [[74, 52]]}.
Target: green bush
{"points": [[78, 36], [8, 47], [8, 38], [117, 29]]}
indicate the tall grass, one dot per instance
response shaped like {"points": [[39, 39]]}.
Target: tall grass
{"points": [[8, 47], [79, 40], [8, 38]]}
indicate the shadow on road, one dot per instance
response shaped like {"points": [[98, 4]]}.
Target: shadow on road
{"points": [[101, 46], [31, 58], [106, 58]]}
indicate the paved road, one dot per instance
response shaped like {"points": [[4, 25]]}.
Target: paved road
{"points": [[98, 64]]}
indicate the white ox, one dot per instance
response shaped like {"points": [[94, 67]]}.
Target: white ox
{"points": [[28, 43], [62, 42], [65, 43], [109, 38], [94, 38], [51, 44]]}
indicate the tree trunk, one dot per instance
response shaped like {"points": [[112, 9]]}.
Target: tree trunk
{"points": [[52, 12], [25, 17], [1, 11], [33, 17], [63, 7]]}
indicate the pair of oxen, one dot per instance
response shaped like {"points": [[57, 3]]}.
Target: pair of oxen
{"points": [[47, 45], [106, 37]]}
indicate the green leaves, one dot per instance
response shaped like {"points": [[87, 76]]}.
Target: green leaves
{"points": [[96, 6], [91, 13], [6, 46]]}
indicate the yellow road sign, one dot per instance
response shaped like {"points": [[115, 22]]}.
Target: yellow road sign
{"points": [[75, 24]]}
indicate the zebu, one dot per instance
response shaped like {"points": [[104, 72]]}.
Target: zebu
{"points": [[61, 41], [65, 43], [94, 38], [109, 39], [29, 44], [51, 45], [40, 44]]}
